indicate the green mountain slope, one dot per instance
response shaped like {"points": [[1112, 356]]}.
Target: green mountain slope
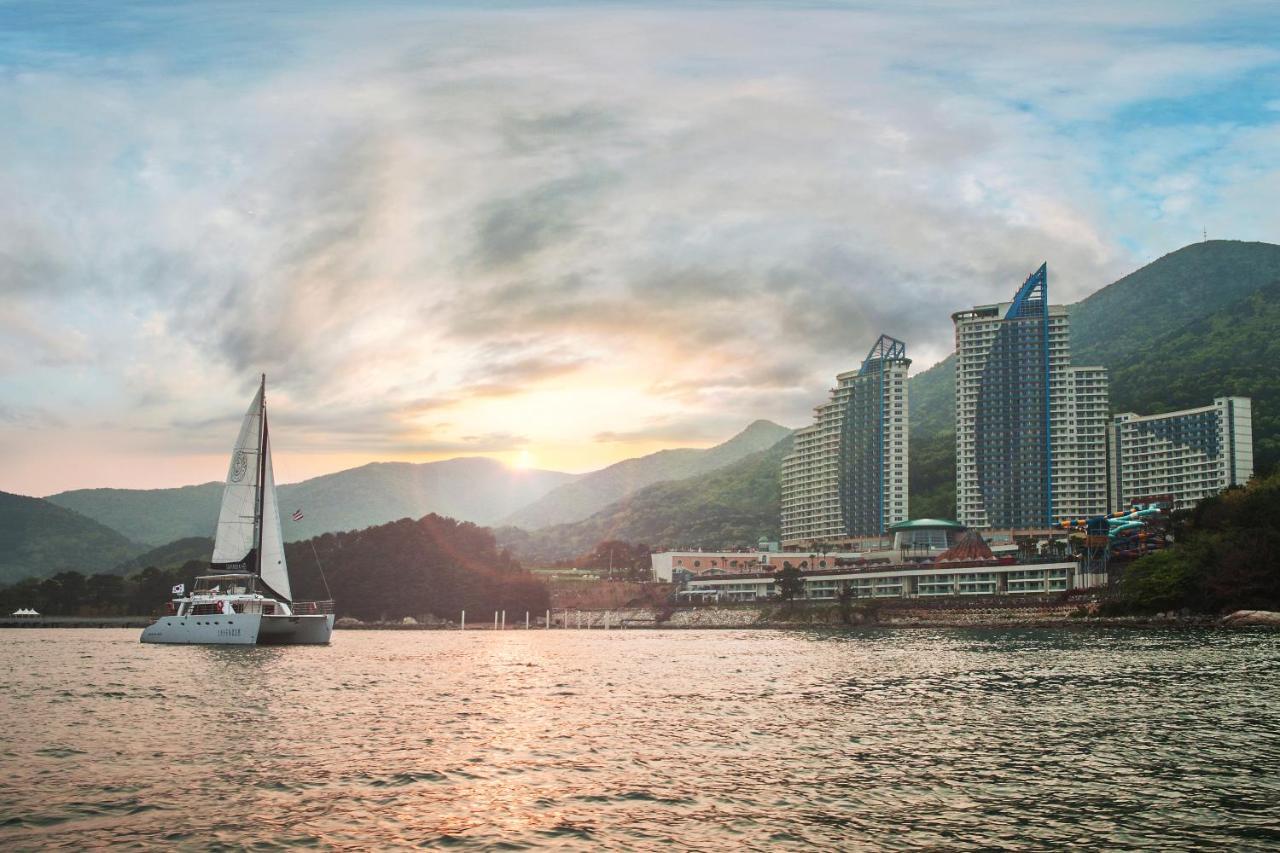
{"points": [[432, 566], [588, 494], [149, 516], [1116, 323], [735, 505], [1116, 327], [479, 490], [39, 539], [169, 556], [1234, 351]]}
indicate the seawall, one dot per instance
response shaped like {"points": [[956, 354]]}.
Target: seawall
{"points": [[76, 621]]}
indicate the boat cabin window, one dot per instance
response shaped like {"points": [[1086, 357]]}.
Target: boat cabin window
{"points": [[238, 584]]}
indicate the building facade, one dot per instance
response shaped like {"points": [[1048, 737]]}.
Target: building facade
{"points": [[908, 581], [666, 565], [1030, 427], [1188, 455], [846, 476]]}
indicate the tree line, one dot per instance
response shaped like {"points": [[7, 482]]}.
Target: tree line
{"points": [[1226, 557], [433, 566]]}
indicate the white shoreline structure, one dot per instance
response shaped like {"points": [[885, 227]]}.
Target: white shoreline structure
{"points": [[246, 598]]}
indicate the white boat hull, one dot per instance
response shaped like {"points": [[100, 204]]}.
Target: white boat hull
{"points": [[241, 629], [296, 630]]}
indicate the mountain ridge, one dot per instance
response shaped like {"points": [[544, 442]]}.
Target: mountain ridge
{"points": [[734, 505], [598, 489], [476, 488]]}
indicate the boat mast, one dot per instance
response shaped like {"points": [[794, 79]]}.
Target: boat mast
{"points": [[262, 474]]}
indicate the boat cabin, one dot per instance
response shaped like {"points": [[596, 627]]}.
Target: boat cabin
{"points": [[227, 594]]}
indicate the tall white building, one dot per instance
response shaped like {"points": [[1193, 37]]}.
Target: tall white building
{"points": [[1187, 455], [846, 476], [1030, 428]]}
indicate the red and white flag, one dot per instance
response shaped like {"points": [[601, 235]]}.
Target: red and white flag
{"points": [[297, 515]]}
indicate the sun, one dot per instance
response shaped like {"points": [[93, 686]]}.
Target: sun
{"points": [[524, 460]]}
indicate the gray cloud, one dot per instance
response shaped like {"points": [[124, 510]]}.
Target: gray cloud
{"points": [[508, 230]]}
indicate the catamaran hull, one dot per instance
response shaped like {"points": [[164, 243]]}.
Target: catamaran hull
{"points": [[296, 630], [242, 629]]}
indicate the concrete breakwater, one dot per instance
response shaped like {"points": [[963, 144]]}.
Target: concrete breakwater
{"points": [[815, 614], [76, 621]]}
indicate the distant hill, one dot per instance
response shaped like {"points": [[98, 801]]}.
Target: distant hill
{"points": [[476, 489], [592, 492], [149, 516], [39, 539], [473, 489], [1118, 326], [172, 555], [734, 505]]}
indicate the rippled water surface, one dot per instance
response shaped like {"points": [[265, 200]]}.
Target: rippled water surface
{"points": [[641, 739]]}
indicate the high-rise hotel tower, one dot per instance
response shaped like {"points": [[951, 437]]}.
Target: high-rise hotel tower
{"points": [[846, 477], [1031, 430]]}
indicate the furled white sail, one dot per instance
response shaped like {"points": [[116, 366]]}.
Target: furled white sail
{"points": [[274, 571], [235, 534]]}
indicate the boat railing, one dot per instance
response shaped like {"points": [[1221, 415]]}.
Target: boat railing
{"points": [[305, 608]]}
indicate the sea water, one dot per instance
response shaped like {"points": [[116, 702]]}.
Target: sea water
{"points": [[709, 740]]}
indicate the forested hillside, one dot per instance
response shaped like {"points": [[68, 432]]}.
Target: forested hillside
{"points": [[1227, 557], [582, 498], [39, 539], [168, 556], [733, 506], [1235, 351], [432, 566], [150, 516]]}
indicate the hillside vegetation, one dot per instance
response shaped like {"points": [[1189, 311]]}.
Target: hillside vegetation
{"points": [[150, 516], [1227, 558], [1234, 351], [38, 539], [430, 567], [177, 553], [589, 494], [732, 507]]}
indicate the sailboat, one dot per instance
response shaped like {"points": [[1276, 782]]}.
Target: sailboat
{"points": [[246, 598]]}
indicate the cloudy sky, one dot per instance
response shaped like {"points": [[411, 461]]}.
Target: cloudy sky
{"points": [[567, 234]]}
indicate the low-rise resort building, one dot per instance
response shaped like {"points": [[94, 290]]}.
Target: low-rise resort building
{"points": [[925, 558], [967, 567]]}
